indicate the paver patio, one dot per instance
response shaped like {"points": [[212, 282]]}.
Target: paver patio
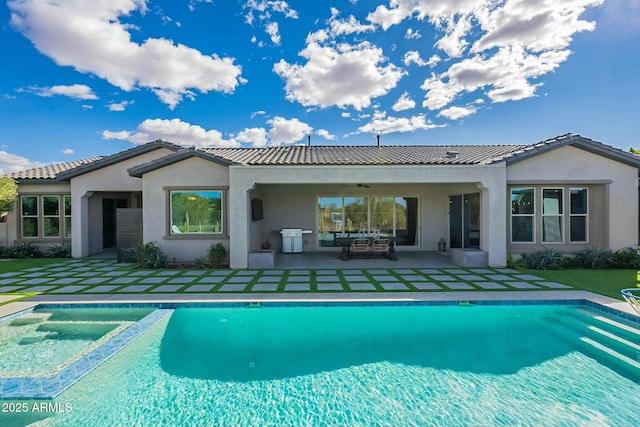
{"points": [[100, 276]]}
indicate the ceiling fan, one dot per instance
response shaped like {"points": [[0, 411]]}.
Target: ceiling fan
{"points": [[357, 185]]}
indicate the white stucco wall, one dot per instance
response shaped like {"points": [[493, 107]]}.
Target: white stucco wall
{"points": [[191, 173], [114, 178], [296, 206], [574, 166]]}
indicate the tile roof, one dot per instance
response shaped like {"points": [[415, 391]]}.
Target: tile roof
{"points": [[367, 155], [50, 172], [304, 155]]}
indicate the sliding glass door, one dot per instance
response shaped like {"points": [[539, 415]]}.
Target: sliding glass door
{"points": [[392, 217], [464, 221]]}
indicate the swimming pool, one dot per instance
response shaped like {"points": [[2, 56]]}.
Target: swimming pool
{"points": [[365, 365]]}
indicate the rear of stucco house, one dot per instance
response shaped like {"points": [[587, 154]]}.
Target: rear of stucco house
{"points": [[567, 192]]}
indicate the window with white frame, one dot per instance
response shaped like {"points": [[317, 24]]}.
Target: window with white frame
{"points": [[196, 212], [552, 215], [578, 216], [523, 209]]}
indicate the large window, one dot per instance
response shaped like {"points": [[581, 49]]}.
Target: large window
{"points": [[196, 212], [45, 216], [377, 216], [578, 215], [563, 216], [552, 217], [523, 210]]}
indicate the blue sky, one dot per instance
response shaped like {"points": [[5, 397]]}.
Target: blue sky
{"points": [[82, 78]]}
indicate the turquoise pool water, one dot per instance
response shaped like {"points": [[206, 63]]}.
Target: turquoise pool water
{"points": [[410, 365]]}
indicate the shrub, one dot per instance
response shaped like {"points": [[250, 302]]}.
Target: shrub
{"points": [[201, 262], [59, 251], [627, 258], [23, 250], [595, 258], [548, 259], [511, 263], [150, 256], [217, 255]]}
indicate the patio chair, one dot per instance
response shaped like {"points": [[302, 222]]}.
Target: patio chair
{"points": [[359, 247], [380, 247]]}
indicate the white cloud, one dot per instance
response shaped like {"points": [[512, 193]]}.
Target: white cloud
{"points": [[174, 130], [413, 57], [412, 34], [76, 91], [119, 106], [257, 137], [507, 73], [326, 134], [345, 114], [67, 151], [287, 131], [404, 103], [13, 163], [258, 113], [265, 10], [538, 27], [381, 124], [515, 42], [342, 75], [274, 33], [91, 38], [340, 27], [455, 113]]}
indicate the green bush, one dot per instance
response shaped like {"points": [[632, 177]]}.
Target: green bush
{"points": [[595, 258], [23, 250], [150, 256], [627, 258], [548, 259], [59, 251], [217, 255]]}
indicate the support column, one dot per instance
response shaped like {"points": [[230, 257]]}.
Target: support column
{"points": [[80, 225], [493, 217], [239, 224]]}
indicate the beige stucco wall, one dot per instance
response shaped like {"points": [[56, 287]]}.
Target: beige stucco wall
{"points": [[613, 193], [191, 173], [291, 205], [10, 231], [114, 179]]}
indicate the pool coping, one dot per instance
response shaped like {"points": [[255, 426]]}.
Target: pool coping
{"points": [[543, 295]]}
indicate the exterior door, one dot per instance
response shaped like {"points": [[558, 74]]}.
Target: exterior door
{"points": [[464, 221], [109, 221]]}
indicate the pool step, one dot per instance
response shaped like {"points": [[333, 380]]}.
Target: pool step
{"points": [[600, 337]]}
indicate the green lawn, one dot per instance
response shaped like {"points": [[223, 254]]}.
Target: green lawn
{"points": [[8, 265], [604, 282]]}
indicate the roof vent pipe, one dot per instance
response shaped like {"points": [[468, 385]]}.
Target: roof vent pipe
{"points": [[378, 136], [309, 137]]}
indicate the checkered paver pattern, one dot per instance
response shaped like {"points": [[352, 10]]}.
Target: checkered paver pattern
{"points": [[96, 276]]}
